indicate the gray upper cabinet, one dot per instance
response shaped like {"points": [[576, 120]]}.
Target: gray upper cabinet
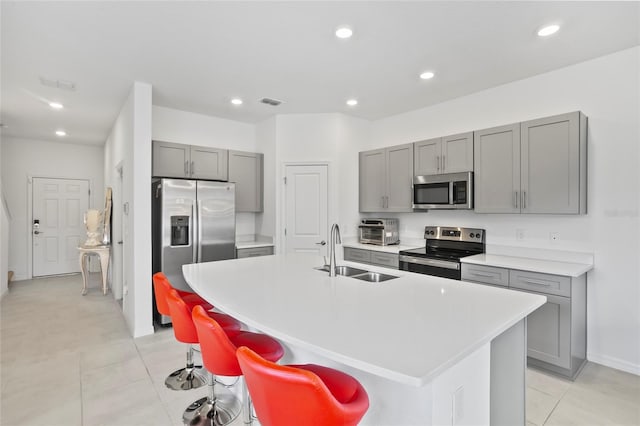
{"points": [[209, 163], [553, 164], [497, 170], [386, 176], [188, 161], [449, 154], [246, 170], [171, 160], [537, 166]]}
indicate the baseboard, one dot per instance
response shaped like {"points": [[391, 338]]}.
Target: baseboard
{"points": [[616, 363]]}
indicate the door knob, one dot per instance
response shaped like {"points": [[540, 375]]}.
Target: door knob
{"points": [[322, 243], [38, 232]]}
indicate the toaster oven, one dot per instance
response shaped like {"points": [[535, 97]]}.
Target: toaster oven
{"points": [[382, 232]]}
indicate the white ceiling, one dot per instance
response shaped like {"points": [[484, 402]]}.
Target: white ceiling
{"points": [[198, 55]]}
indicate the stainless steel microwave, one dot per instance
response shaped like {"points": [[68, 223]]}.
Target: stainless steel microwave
{"points": [[447, 191]]}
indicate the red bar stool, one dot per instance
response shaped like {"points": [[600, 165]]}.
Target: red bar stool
{"points": [[190, 299], [309, 394], [191, 376], [219, 358]]}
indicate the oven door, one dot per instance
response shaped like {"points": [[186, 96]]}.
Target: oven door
{"points": [[427, 266], [371, 234]]}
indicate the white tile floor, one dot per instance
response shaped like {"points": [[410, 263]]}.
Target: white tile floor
{"points": [[68, 359]]}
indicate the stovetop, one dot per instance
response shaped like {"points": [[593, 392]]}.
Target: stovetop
{"points": [[449, 243]]}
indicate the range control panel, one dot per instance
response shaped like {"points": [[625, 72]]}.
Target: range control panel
{"points": [[473, 235]]}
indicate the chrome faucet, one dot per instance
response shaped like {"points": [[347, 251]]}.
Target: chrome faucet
{"points": [[333, 239]]}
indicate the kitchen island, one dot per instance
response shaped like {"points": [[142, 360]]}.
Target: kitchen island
{"points": [[428, 350]]}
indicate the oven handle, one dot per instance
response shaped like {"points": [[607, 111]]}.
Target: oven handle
{"points": [[429, 262]]}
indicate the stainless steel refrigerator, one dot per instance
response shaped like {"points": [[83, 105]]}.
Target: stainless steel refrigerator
{"points": [[192, 221]]}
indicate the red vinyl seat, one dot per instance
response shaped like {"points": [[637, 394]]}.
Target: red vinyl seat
{"points": [[189, 377], [219, 352], [310, 395], [161, 287]]}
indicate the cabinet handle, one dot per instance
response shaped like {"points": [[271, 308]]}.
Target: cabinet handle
{"points": [[477, 274], [443, 163], [438, 162], [544, 284], [186, 168], [515, 199], [524, 199]]}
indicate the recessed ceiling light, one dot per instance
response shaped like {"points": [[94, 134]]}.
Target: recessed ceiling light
{"points": [[61, 133], [344, 32], [236, 101], [427, 75], [548, 30], [56, 105], [352, 102]]}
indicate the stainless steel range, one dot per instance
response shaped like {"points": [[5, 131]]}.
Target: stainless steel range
{"points": [[442, 252]]}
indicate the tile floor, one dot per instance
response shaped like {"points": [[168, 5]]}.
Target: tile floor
{"points": [[79, 366]]}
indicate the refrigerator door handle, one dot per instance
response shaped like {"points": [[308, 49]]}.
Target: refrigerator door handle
{"points": [[199, 238], [194, 233]]}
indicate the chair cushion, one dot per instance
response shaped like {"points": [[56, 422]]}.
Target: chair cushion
{"points": [[341, 385]]}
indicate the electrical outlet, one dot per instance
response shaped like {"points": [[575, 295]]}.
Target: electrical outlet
{"points": [[554, 237], [519, 234]]}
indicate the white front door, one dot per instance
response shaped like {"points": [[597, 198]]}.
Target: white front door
{"points": [[57, 224], [306, 209]]}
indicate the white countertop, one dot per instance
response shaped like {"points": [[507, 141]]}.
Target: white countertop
{"points": [[410, 329], [527, 264], [252, 244], [394, 248]]}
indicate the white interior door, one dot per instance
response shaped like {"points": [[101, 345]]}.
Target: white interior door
{"points": [[57, 224], [306, 209]]}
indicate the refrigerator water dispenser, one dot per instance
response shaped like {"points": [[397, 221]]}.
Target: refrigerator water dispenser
{"points": [[179, 230]]}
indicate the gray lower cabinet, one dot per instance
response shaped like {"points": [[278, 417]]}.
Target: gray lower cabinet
{"points": [[373, 257], [537, 166], [188, 161], [254, 252], [385, 179], [556, 332], [245, 170]]}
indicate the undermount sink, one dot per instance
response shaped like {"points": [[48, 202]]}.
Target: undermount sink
{"points": [[374, 277], [361, 274], [346, 271]]}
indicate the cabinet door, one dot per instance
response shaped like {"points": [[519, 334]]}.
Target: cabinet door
{"points": [[399, 178], [356, 255], [497, 169], [209, 163], [548, 332], [485, 274], [551, 164], [384, 259], [427, 156], [253, 252], [457, 153], [170, 160], [372, 175], [245, 169]]}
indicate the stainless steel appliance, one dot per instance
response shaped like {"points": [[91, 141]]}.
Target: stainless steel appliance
{"points": [[192, 221], [442, 252], [381, 232], [447, 191]]}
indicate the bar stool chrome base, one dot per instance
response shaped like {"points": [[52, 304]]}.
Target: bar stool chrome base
{"points": [[186, 378], [221, 411]]}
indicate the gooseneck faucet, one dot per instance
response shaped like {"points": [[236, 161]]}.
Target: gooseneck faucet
{"points": [[334, 239]]}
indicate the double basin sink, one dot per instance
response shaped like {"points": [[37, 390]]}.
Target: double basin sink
{"points": [[359, 274]]}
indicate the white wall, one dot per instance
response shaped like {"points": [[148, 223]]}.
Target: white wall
{"points": [[266, 144], [607, 90], [171, 125], [5, 221], [129, 146], [24, 158], [331, 138]]}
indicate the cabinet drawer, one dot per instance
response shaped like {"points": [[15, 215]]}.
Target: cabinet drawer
{"points": [[384, 259], [357, 255], [485, 274], [253, 252], [540, 283]]}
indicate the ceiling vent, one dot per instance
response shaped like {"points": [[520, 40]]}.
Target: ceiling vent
{"points": [[269, 101], [58, 84]]}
